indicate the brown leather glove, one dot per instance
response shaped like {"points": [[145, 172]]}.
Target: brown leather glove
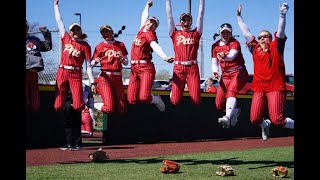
{"points": [[225, 170], [169, 166], [98, 156], [280, 172]]}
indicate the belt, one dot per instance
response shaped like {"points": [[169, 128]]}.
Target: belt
{"points": [[186, 63], [112, 73], [70, 67], [233, 69], [139, 61]]}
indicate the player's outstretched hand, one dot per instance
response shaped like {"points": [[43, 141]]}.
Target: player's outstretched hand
{"points": [[239, 10], [169, 59], [43, 29], [283, 8]]}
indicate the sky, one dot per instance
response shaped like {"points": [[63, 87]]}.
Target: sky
{"points": [[257, 14]]}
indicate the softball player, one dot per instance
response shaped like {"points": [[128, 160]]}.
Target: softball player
{"points": [[226, 52], [110, 53], [142, 68], [269, 74], [186, 45], [87, 115], [74, 51], [34, 47]]}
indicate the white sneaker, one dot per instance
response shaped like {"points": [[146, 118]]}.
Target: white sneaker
{"points": [[265, 131], [160, 104], [98, 106], [224, 122], [234, 119]]}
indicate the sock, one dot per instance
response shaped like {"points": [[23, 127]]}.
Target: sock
{"points": [[230, 105], [289, 124], [155, 99]]}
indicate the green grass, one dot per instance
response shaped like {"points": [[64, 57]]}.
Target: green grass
{"points": [[248, 164]]}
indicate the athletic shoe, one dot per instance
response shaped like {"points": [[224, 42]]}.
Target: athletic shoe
{"points": [[234, 119], [76, 148], [161, 106], [224, 122], [265, 131], [65, 147]]}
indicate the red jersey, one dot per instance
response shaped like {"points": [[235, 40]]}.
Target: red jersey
{"points": [[269, 70], [110, 55], [212, 89], [141, 49], [186, 44], [232, 44], [74, 52]]}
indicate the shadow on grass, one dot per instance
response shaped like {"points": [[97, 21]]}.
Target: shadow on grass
{"points": [[189, 162]]}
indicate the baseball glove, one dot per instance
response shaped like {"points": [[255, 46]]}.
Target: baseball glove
{"points": [[280, 171], [225, 170], [98, 156], [169, 167]]}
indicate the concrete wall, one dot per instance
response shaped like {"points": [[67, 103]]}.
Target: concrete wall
{"points": [[146, 124]]}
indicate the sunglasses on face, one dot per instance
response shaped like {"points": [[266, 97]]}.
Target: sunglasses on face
{"points": [[263, 36]]}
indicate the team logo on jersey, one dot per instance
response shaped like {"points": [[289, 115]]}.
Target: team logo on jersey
{"points": [[71, 50], [31, 46], [184, 40], [137, 42], [112, 54]]}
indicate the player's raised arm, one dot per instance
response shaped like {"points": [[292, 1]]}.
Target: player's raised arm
{"points": [[171, 23], [145, 13], [243, 27], [61, 28], [282, 20], [46, 45], [200, 17]]}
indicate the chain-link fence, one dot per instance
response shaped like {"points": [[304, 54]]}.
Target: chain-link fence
{"points": [[51, 59]]}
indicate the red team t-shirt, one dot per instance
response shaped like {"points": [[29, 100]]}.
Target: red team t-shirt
{"points": [[269, 69], [74, 52], [186, 44], [110, 55], [233, 44], [141, 49]]}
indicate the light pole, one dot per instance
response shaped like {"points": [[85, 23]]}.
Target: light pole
{"points": [[78, 14]]}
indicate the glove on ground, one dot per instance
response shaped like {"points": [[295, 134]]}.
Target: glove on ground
{"points": [[225, 170], [280, 172], [169, 166], [98, 156]]}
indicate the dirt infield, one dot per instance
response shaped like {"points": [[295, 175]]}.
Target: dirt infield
{"points": [[36, 157]]}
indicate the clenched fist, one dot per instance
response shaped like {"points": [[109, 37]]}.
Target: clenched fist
{"points": [[283, 8]]}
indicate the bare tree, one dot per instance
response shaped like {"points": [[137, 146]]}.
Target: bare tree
{"points": [[163, 74]]}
